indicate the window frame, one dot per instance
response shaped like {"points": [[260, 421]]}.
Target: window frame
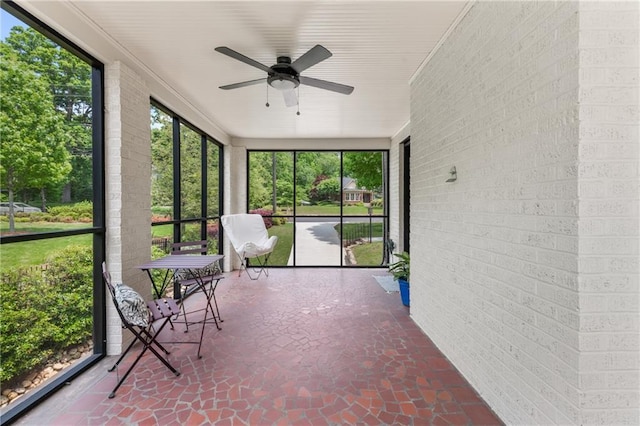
{"points": [[12, 412], [385, 190], [206, 141]]}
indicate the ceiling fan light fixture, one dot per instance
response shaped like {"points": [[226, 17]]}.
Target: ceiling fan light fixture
{"points": [[283, 82]]}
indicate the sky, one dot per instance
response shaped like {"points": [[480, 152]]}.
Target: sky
{"points": [[8, 21]]}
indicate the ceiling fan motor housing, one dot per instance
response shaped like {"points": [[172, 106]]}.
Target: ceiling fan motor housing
{"points": [[283, 77]]}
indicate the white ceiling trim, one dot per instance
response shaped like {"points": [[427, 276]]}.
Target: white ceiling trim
{"points": [[332, 144], [444, 37]]}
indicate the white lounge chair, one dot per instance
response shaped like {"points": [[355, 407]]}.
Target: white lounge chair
{"points": [[250, 240]]}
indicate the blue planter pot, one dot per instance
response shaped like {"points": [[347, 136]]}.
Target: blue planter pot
{"points": [[404, 291]]}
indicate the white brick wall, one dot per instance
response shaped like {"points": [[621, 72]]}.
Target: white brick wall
{"points": [[608, 189], [525, 269], [128, 183]]}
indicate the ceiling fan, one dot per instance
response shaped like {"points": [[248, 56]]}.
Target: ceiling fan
{"points": [[285, 75]]}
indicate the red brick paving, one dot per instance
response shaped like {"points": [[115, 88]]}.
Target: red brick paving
{"points": [[301, 347]]}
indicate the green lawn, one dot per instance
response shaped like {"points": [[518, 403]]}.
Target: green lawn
{"points": [[31, 227], [280, 255], [368, 254], [162, 231], [35, 252], [361, 229]]}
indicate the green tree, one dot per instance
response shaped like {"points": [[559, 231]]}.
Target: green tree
{"points": [[310, 166], [265, 186], [69, 82], [31, 130], [161, 159], [213, 179], [284, 180], [190, 173], [365, 167], [259, 179], [325, 189]]}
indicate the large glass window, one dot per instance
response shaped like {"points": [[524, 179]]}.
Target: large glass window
{"points": [[190, 173], [326, 207], [186, 198], [51, 209], [271, 194], [364, 220], [161, 165]]}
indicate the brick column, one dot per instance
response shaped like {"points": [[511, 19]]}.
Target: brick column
{"points": [[128, 187]]}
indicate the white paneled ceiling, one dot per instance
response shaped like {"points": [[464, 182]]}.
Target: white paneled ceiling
{"points": [[377, 46]]}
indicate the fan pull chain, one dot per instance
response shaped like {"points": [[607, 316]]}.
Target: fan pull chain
{"points": [[298, 113], [267, 104]]}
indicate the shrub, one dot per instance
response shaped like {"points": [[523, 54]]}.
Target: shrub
{"points": [[72, 210], [191, 233], [279, 221], [378, 202], [85, 218], [162, 211], [22, 218], [44, 311], [213, 229], [41, 217], [266, 216], [159, 218]]}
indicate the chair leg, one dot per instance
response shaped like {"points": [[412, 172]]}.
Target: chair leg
{"points": [[262, 268], [215, 302], [243, 264], [148, 340], [184, 314], [126, 351]]}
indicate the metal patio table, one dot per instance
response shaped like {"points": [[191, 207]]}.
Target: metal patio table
{"points": [[195, 265]]}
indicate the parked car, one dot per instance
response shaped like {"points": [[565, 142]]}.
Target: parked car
{"points": [[19, 208]]}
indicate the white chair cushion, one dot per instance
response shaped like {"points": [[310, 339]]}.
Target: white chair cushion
{"points": [[248, 234]]}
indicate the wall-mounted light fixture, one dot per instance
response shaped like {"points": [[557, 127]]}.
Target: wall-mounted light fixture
{"points": [[453, 175]]}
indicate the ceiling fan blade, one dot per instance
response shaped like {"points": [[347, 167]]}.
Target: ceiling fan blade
{"points": [[327, 85], [244, 84], [290, 98], [313, 56], [240, 57]]}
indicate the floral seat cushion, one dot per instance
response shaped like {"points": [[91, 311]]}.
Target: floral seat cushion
{"points": [[132, 306]]}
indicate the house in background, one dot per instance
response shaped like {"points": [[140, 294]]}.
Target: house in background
{"points": [[351, 194]]}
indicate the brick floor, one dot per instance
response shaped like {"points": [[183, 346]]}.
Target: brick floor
{"points": [[301, 347]]}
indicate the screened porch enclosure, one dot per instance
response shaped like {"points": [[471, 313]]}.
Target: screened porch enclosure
{"points": [[327, 207]]}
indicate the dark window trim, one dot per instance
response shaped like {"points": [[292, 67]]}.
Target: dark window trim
{"points": [[206, 140], [384, 216], [406, 193], [19, 408]]}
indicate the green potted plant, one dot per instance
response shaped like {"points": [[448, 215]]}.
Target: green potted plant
{"points": [[400, 270]]}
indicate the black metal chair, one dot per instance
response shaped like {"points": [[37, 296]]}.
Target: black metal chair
{"points": [[191, 281], [142, 328]]}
